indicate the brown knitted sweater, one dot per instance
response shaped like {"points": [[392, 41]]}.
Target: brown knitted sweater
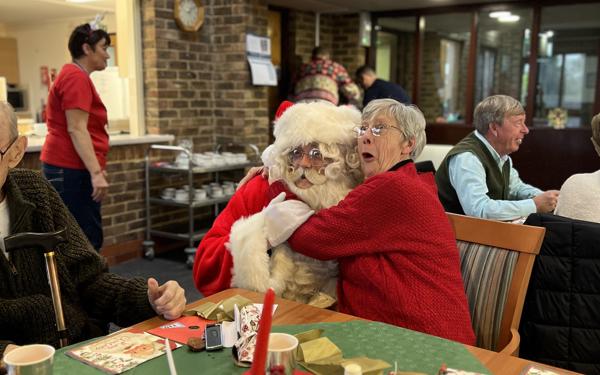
{"points": [[91, 296]]}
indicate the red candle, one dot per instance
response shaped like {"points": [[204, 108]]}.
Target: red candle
{"points": [[262, 337]]}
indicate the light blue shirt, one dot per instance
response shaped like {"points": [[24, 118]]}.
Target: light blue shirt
{"points": [[467, 176]]}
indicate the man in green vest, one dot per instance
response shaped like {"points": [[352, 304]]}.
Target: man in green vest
{"points": [[477, 178]]}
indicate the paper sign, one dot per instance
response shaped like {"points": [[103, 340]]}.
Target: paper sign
{"points": [[263, 71], [258, 45]]}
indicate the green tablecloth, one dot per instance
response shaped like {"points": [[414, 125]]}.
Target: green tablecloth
{"points": [[412, 350]]}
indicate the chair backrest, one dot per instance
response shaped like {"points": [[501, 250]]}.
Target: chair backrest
{"points": [[435, 153], [425, 166], [496, 263]]}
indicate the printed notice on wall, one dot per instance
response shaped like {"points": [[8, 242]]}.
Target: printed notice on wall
{"points": [[258, 45], [263, 72], [258, 50]]}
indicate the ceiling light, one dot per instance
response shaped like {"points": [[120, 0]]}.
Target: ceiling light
{"points": [[509, 18], [499, 14], [549, 33]]}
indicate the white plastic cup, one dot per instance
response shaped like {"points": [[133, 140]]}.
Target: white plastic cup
{"points": [[36, 359], [281, 356]]}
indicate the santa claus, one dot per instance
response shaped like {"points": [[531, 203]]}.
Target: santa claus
{"points": [[313, 159]]}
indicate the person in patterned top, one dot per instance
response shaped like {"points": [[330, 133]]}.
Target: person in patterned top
{"points": [[322, 78]]}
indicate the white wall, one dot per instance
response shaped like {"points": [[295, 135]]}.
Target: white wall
{"points": [[45, 44]]}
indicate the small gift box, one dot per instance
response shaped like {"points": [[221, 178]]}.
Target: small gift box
{"points": [[243, 349]]}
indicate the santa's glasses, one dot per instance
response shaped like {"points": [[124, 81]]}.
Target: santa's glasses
{"points": [[312, 152]]}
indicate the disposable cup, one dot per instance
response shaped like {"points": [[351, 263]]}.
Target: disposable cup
{"points": [[33, 359], [281, 356]]}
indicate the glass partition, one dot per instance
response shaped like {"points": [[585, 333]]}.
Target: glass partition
{"points": [[395, 50], [569, 41], [444, 67], [502, 54]]}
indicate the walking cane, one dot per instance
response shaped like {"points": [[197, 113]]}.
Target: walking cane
{"points": [[46, 242]]}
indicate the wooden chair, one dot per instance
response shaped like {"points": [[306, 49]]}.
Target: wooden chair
{"points": [[496, 263]]}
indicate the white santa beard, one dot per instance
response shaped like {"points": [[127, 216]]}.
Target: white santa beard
{"points": [[324, 195]]}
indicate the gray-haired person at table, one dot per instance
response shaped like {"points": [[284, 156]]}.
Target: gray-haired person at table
{"points": [[91, 296], [477, 177], [580, 193]]}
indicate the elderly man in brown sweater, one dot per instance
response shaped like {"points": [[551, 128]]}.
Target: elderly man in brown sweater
{"points": [[91, 295]]}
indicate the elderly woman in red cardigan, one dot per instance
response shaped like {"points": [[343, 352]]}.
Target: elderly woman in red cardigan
{"points": [[396, 249]]}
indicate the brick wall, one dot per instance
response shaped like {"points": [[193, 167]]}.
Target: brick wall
{"points": [[123, 212], [197, 85], [302, 34], [345, 41], [508, 65], [405, 61], [429, 99]]}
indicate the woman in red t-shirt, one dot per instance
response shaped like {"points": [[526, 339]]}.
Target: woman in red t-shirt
{"points": [[74, 153]]}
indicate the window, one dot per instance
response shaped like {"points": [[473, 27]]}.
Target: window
{"points": [[567, 63], [444, 67], [502, 53], [395, 50]]}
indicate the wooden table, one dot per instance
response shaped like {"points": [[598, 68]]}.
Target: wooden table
{"points": [[289, 312]]}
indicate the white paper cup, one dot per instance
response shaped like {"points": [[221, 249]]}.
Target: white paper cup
{"points": [[181, 195], [216, 191], [281, 356], [33, 359], [168, 193], [199, 194]]}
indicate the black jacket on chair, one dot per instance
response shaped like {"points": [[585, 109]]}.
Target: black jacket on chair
{"points": [[560, 325]]}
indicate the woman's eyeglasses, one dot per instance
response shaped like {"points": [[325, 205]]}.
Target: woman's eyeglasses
{"points": [[314, 155], [376, 130], [2, 153]]}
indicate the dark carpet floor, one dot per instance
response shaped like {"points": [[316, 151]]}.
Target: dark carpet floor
{"points": [[164, 267]]}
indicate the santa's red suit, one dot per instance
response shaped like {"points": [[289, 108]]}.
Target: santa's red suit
{"points": [[213, 263]]}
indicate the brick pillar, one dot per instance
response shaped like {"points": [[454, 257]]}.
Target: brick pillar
{"points": [[198, 85], [240, 109]]}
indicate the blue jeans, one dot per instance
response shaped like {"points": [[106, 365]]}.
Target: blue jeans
{"points": [[75, 188]]}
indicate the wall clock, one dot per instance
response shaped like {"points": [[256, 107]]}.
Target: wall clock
{"points": [[189, 14]]}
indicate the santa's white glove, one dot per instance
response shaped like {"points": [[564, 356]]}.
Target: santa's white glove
{"points": [[282, 218]]}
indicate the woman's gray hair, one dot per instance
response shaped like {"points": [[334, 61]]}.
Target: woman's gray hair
{"points": [[7, 111], [596, 133], [494, 109], [409, 119]]}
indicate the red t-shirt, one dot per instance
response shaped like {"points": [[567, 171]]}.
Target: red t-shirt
{"points": [[73, 89]]}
